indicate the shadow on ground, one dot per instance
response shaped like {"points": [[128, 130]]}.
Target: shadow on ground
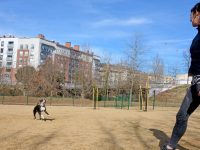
{"points": [[47, 119], [162, 136]]}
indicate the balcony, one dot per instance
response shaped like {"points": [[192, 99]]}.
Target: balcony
{"points": [[8, 66], [9, 59], [10, 45], [9, 52]]}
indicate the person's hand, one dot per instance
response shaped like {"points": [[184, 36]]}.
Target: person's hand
{"points": [[198, 93]]}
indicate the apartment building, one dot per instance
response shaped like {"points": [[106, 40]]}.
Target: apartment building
{"points": [[183, 79], [16, 52], [112, 74]]}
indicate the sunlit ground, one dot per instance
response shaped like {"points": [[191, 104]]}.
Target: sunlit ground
{"points": [[83, 128]]}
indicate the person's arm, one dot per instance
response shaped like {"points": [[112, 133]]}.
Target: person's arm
{"points": [[198, 85], [197, 45], [198, 88]]}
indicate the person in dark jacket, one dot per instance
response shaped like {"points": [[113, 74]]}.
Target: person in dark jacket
{"points": [[192, 97]]}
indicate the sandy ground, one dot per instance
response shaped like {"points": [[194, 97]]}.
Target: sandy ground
{"points": [[82, 128]]}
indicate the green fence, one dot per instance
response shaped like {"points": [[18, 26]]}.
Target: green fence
{"points": [[119, 101]]}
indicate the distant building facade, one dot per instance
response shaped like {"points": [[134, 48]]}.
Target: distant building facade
{"points": [[19, 52], [112, 75], [183, 79]]}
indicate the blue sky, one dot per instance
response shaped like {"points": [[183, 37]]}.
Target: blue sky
{"points": [[107, 26]]}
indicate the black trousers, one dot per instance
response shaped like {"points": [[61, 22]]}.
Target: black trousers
{"points": [[188, 106]]}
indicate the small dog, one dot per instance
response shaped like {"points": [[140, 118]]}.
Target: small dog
{"points": [[40, 107]]}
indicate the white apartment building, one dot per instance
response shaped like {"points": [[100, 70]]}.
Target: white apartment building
{"points": [[183, 79], [18, 52]]}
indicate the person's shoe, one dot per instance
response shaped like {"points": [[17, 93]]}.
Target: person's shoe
{"points": [[167, 147]]}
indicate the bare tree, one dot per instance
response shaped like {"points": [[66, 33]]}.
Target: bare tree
{"points": [[48, 79], [1, 81], [86, 47], [1, 74], [158, 68], [24, 75], [106, 74], [134, 61], [135, 52], [84, 78], [186, 60], [174, 71]]}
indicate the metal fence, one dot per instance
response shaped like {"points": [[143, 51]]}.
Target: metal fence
{"points": [[119, 102]]}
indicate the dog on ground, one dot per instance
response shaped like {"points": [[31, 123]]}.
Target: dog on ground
{"points": [[39, 108]]}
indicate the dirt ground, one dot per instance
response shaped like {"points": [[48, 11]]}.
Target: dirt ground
{"points": [[83, 128]]}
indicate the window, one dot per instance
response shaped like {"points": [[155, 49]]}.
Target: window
{"points": [[9, 63], [31, 54], [10, 50], [8, 70], [32, 46], [21, 53], [26, 53], [9, 57], [21, 47], [7, 75], [1, 50], [25, 60], [1, 57], [26, 46], [0, 64], [10, 42], [2, 43], [20, 60]]}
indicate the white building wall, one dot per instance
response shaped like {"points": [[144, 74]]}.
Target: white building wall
{"points": [[6, 53], [34, 49], [182, 79], [33, 45], [34, 53]]}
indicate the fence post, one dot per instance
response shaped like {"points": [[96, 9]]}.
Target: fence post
{"points": [[51, 98], [132, 102], [154, 98], [3, 98], [146, 100], [27, 99], [97, 96], [116, 98], [26, 96], [104, 100], [128, 100], [140, 98], [73, 99], [93, 97], [122, 101]]}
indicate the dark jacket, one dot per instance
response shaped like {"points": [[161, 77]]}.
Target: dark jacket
{"points": [[194, 69], [195, 55]]}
